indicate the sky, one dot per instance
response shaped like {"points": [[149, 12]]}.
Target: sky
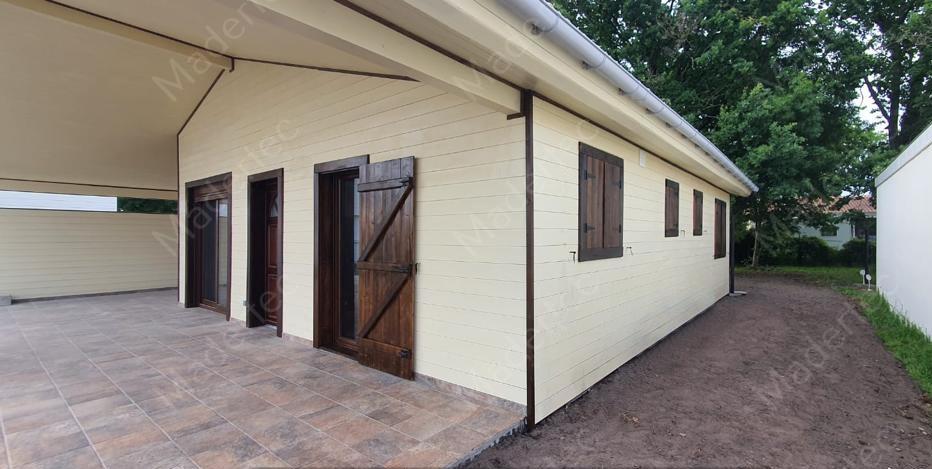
{"points": [[36, 200]]}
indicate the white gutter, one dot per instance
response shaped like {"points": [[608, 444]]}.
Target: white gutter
{"points": [[548, 22]]}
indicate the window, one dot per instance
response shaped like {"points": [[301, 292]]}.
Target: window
{"points": [[697, 213], [601, 192], [671, 211], [720, 228], [829, 231]]}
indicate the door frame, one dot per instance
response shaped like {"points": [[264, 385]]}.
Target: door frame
{"points": [[279, 176], [320, 272], [226, 181]]}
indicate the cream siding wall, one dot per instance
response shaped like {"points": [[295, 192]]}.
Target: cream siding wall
{"points": [[48, 253], [469, 201], [591, 317]]}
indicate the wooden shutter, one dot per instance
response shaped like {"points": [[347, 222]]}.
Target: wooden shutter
{"points": [[720, 228], [672, 209], [697, 213], [611, 226], [601, 204], [386, 267], [592, 179]]}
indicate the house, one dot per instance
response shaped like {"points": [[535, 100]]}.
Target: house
{"points": [[843, 229], [904, 257], [468, 192]]}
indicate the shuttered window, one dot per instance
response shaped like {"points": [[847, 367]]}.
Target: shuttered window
{"points": [[671, 211], [720, 228], [697, 213], [601, 192]]}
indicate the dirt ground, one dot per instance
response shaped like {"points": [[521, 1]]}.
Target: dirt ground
{"points": [[790, 375]]}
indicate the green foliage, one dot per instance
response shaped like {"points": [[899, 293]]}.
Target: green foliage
{"points": [[771, 82], [896, 58], [129, 204], [794, 250], [812, 251], [852, 253]]}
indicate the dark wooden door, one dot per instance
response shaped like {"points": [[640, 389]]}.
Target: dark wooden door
{"points": [[385, 334], [272, 276]]}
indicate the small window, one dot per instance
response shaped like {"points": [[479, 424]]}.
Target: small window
{"points": [[601, 193], [720, 227], [829, 231], [697, 213], [671, 211]]}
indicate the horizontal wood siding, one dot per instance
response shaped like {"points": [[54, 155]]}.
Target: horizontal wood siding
{"points": [[49, 253], [469, 206], [592, 317]]}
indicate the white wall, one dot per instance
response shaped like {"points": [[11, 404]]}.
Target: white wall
{"points": [[48, 253], [469, 305], [592, 317], [904, 243], [845, 234]]}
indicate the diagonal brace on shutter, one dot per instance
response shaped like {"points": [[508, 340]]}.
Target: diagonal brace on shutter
{"points": [[383, 306], [386, 222]]}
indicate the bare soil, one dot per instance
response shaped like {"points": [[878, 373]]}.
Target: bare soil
{"points": [[790, 375]]}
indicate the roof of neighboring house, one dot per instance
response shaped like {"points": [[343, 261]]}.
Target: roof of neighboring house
{"points": [[860, 204], [920, 143]]}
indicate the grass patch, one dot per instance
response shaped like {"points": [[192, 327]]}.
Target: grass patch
{"points": [[902, 338]]}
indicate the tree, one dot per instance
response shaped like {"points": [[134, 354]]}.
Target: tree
{"points": [[896, 52], [130, 204], [766, 80]]}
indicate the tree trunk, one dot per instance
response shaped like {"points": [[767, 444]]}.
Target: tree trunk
{"points": [[755, 254]]}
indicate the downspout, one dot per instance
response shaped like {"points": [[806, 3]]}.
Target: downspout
{"points": [[548, 22], [527, 109]]}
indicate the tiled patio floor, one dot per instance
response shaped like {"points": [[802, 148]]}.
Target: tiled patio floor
{"points": [[138, 381]]}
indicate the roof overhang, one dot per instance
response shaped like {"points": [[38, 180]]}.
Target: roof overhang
{"points": [[488, 35]]}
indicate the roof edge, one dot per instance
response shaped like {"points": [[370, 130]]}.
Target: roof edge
{"points": [[921, 142], [545, 20]]}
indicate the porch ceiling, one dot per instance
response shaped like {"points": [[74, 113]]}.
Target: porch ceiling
{"points": [[82, 103]]}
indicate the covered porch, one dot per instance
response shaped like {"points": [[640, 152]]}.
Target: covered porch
{"points": [[136, 380]]}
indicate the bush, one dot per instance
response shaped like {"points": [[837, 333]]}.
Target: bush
{"points": [[812, 251], [852, 253]]}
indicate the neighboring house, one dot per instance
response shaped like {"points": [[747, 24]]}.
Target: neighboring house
{"points": [[904, 221], [463, 191], [844, 229]]}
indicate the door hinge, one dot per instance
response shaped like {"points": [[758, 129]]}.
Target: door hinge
{"points": [[404, 353], [587, 228]]}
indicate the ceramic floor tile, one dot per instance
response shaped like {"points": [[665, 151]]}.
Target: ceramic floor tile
{"points": [[385, 446], [423, 455], [83, 458], [45, 442], [423, 425], [355, 430], [457, 439], [157, 386]]}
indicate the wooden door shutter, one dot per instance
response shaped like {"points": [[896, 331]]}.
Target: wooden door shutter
{"points": [[720, 228], [386, 267], [592, 180], [672, 209], [601, 204], [697, 213]]}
